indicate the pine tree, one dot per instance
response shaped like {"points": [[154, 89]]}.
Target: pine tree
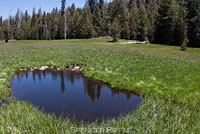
{"points": [[126, 31], [180, 34], [63, 13], [194, 23], [6, 30], [34, 26], [25, 32], [142, 24], [152, 12], [87, 29], [1, 28], [134, 18], [60, 24], [102, 28], [123, 19], [114, 30], [162, 21], [63, 2], [101, 4], [117, 9], [76, 25], [70, 15], [11, 27], [44, 26], [97, 19], [48, 26], [17, 26], [166, 22], [92, 4], [39, 24], [53, 24]]}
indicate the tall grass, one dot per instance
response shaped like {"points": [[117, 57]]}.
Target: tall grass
{"points": [[153, 116], [151, 70]]}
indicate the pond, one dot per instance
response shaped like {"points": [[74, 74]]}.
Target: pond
{"points": [[71, 94]]}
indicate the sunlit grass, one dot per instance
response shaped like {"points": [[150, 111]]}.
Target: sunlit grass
{"points": [[154, 116], [151, 70]]}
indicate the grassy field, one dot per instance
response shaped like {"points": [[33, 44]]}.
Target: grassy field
{"points": [[156, 71]]}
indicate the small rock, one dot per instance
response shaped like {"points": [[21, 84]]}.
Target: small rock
{"points": [[76, 68], [23, 69], [36, 68], [43, 68], [70, 67]]}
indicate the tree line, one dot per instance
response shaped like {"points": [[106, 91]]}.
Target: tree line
{"points": [[172, 22]]}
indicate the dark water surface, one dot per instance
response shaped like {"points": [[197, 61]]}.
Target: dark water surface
{"points": [[72, 95]]}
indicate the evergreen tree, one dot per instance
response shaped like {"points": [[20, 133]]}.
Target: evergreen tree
{"points": [[131, 4], [123, 19], [25, 33], [194, 23], [166, 22], [101, 5], [134, 18], [96, 15], [60, 26], [63, 2], [53, 24], [17, 26], [152, 12], [180, 34], [34, 26], [70, 15], [114, 30], [142, 24], [76, 25], [48, 26], [87, 29], [63, 13], [92, 4], [117, 9], [39, 24], [44, 26], [11, 27], [6, 30], [1, 28], [102, 31], [173, 22], [126, 31]]}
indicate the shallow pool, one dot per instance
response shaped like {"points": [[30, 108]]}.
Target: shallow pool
{"points": [[71, 94]]}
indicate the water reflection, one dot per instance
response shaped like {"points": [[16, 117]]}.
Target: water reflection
{"points": [[40, 88], [92, 88]]}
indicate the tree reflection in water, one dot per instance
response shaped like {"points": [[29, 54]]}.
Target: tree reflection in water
{"points": [[70, 93], [91, 87]]}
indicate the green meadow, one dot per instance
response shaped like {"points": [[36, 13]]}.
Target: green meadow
{"points": [[168, 80]]}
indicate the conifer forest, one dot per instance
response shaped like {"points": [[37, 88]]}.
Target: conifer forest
{"points": [[171, 22]]}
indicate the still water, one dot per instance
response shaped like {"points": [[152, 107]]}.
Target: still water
{"points": [[71, 94]]}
